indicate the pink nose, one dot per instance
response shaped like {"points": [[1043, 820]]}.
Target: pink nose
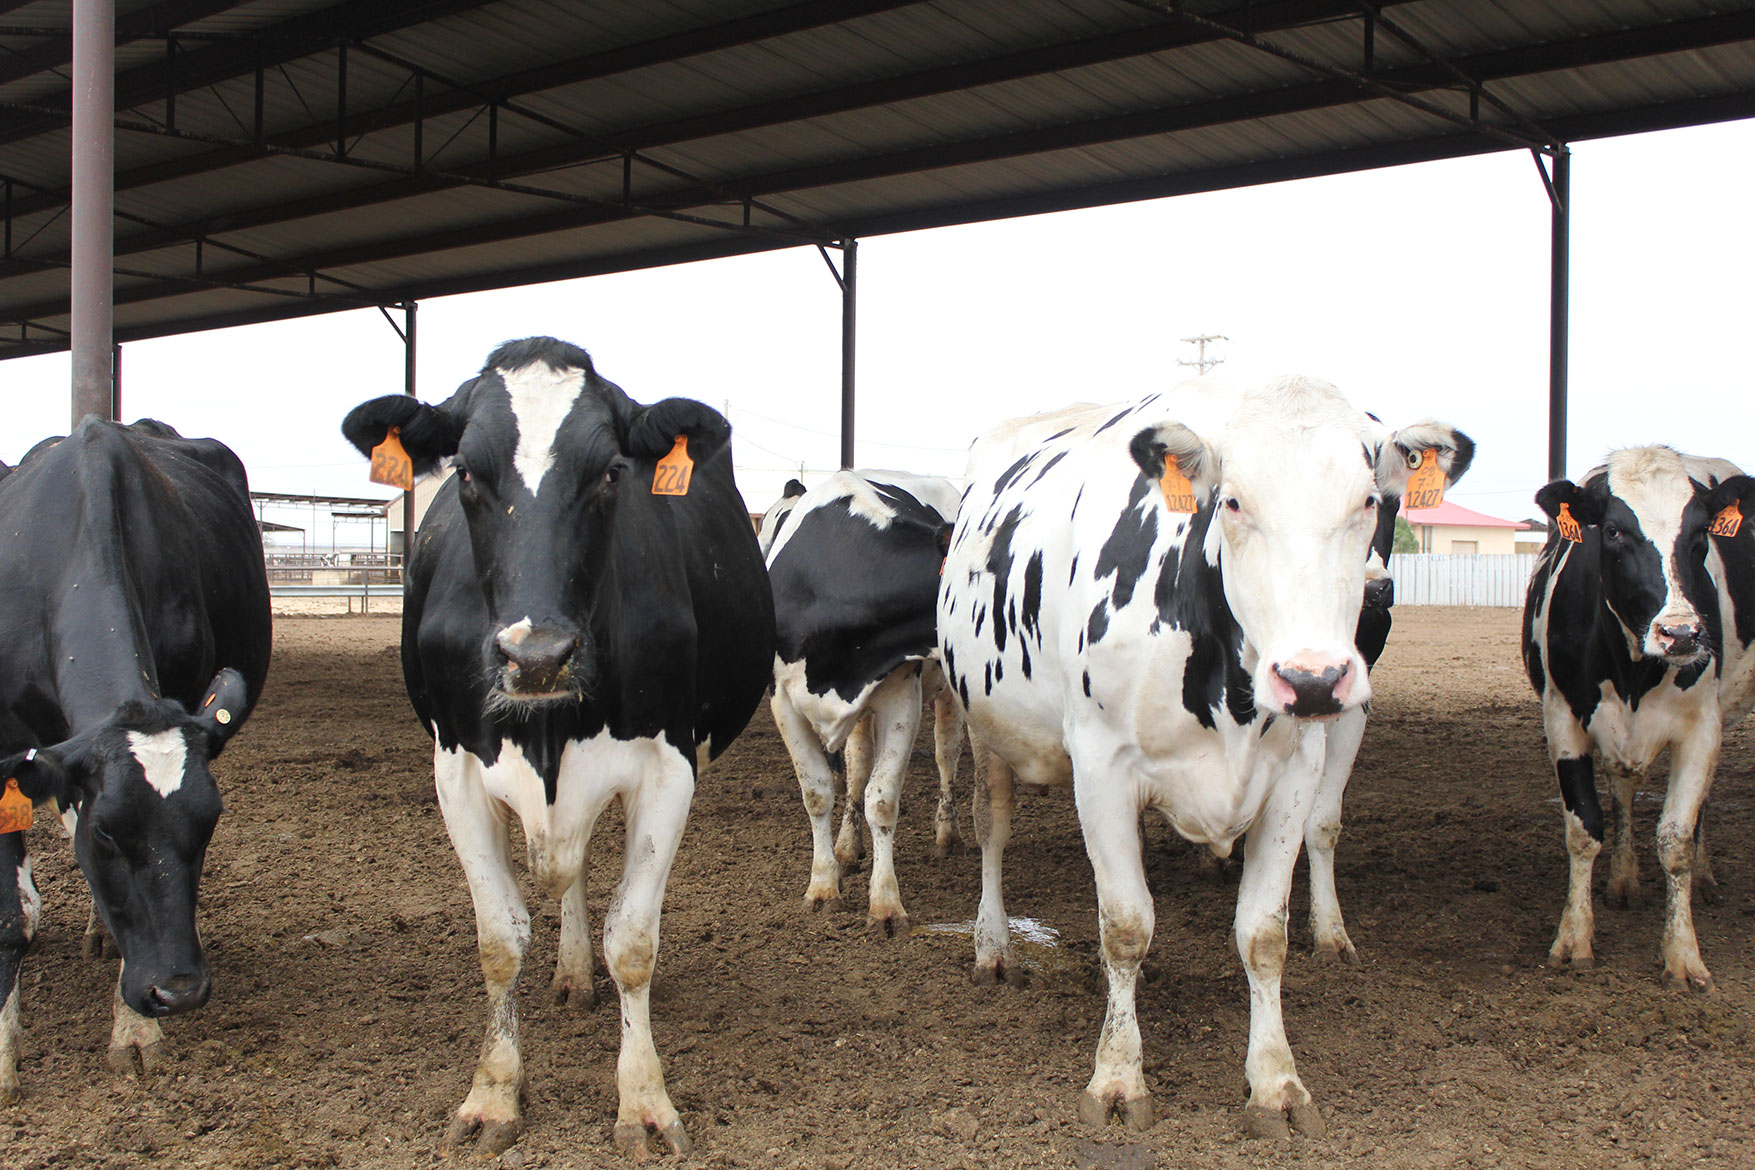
{"points": [[1683, 639], [1309, 688]]}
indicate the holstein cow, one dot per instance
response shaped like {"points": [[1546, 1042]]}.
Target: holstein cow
{"points": [[134, 641], [1157, 604], [585, 619], [1637, 633], [855, 573]]}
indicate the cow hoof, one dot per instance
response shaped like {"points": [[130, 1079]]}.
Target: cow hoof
{"points": [[1260, 1122], [492, 1138], [888, 926], [1565, 957], [138, 1060], [947, 846], [1135, 1114], [574, 993], [815, 900], [630, 1139], [10, 1095], [1699, 981], [1341, 950], [1622, 893], [1307, 1120]]}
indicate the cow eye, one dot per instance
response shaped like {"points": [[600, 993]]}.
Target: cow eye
{"points": [[462, 473], [1370, 502], [611, 474], [1611, 531], [1231, 503]]}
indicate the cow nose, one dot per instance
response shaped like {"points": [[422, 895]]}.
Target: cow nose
{"points": [[179, 993], [1679, 639], [1314, 692], [536, 659], [1380, 593]]}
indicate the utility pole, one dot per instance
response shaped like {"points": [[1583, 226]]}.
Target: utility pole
{"points": [[1202, 362]]}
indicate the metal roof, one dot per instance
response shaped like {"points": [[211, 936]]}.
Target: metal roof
{"points": [[277, 158]]}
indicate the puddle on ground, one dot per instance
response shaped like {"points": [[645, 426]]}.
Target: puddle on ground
{"points": [[1036, 946]]}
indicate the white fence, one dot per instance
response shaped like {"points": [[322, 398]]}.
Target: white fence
{"points": [[1461, 579]]}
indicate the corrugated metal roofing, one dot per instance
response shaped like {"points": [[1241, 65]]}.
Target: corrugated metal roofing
{"points": [[482, 143]]}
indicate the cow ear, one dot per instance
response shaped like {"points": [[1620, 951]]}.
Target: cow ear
{"points": [[794, 489], [1582, 505], [655, 428], [1454, 450], [1738, 490], [1195, 458], [222, 710], [429, 433], [43, 774]]}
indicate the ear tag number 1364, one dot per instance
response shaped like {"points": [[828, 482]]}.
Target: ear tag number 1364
{"points": [[671, 478]]}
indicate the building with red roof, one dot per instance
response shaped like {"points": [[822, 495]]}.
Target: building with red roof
{"points": [[1452, 528]]}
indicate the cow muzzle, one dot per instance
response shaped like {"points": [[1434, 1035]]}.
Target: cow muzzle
{"points": [[1313, 687], [1680, 643], [178, 994], [536, 661]]}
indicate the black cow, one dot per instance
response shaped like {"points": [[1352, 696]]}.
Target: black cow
{"points": [[1636, 634], [854, 566], [133, 643], [570, 637]]}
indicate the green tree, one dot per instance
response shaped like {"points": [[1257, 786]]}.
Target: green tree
{"points": [[1405, 540]]}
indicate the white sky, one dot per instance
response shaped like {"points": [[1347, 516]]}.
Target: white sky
{"points": [[1421, 291]]}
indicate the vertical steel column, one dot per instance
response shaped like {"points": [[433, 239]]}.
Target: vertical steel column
{"points": [[94, 199], [849, 327], [408, 313], [116, 382], [1561, 199]]}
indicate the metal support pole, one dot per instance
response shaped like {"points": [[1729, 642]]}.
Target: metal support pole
{"points": [[1561, 200], [116, 382], [94, 198], [408, 315], [849, 327]]}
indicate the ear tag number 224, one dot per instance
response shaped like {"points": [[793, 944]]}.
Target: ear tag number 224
{"points": [[391, 465], [671, 478]]}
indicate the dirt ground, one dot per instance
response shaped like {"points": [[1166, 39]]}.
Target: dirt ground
{"points": [[348, 1007]]}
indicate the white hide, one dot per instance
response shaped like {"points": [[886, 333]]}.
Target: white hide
{"points": [[855, 487], [163, 756], [541, 397]]}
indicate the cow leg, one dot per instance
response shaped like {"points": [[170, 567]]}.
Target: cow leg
{"points": [[1623, 781], [137, 1043], [817, 786], [855, 775], [1327, 928], [1692, 764], [1276, 1095], [96, 943], [993, 796], [575, 967], [479, 827], [895, 718], [1570, 749], [1705, 884], [1110, 820], [20, 906], [947, 750], [656, 815]]}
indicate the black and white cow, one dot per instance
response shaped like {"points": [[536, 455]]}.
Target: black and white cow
{"points": [[572, 637], [1151, 657], [134, 641], [1637, 637], [854, 565], [774, 519]]}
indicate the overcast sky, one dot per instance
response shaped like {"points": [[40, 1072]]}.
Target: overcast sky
{"points": [[1421, 291]]}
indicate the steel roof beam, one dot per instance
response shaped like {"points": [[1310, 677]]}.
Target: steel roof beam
{"points": [[56, 50]]}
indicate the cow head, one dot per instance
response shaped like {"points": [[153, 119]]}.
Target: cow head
{"points": [[145, 805], [1645, 518], [774, 519], [1291, 488], [546, 453]]}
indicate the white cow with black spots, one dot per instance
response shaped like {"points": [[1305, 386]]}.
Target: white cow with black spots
{"points": [[1156, 658]]}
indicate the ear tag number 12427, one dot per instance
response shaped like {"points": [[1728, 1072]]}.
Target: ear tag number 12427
{"points": [[1426, 485], [671, 478], [1178, 492], [390, 462]]}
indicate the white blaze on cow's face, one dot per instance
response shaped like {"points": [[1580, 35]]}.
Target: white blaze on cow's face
{"points": [[163, 756], [1644, 584], [541, 397], [1295, 511]]}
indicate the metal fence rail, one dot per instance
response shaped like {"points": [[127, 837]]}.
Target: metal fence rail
{"points": [[1461, 579], [349, 575]]}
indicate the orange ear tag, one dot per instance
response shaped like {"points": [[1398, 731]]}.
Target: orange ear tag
{"points": [[674, 471], [1567, 525], [1178, 492], [1426, 485], [15, 809], [1727, 522], [390, 463]]}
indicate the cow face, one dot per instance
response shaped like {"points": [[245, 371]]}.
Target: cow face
{"points": [[145, 804], [1295, 484], [1646, 519], [546, 454]]}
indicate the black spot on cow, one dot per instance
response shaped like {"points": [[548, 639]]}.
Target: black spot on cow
{"points": [[1190, 596], [999, 670], [1087, 684], [1047, 467], [999, 563], [1130, 542], [1113, 421], [1098, 625], [1060, 434], [1578, 788], [1011, 473], [1033, 596], [1072, 571], [987, 680], [1025, 651], [963, 692]]}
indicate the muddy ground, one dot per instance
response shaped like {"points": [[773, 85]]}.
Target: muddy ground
{"points": [[348, 1006]]}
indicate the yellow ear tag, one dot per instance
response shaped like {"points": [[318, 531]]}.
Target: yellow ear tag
{"points": [[1178, 492], [1727, 522], [1426, 485], [674, 471], [15, 809], [1567, 525], [390, 463]]}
